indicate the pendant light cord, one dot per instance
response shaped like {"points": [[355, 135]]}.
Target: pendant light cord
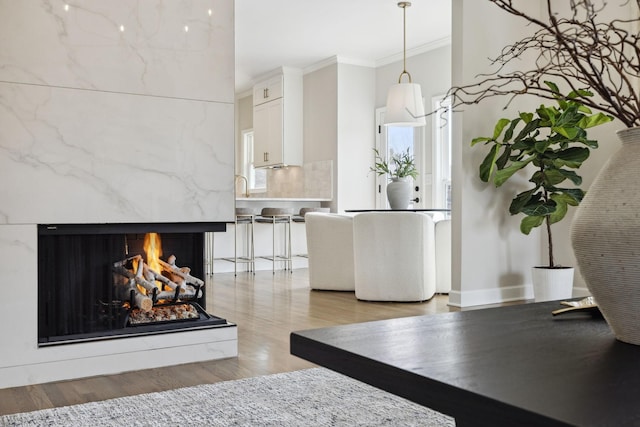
{"points": [[404, 5]]}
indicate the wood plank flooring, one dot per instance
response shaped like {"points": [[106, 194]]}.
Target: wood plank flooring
{"points": [[265, 306]]}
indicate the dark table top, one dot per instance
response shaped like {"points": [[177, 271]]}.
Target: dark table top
{"points": [[511, 366]]}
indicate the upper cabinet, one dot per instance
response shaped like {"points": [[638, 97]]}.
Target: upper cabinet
{"points": [[277, 120], [268, 90]]}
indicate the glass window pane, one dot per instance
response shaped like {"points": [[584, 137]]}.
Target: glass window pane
{"points": [[257, 178], [399, 140]]}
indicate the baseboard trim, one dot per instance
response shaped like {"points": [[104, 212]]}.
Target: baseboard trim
{"points": [[490, 296], [499, 295]]}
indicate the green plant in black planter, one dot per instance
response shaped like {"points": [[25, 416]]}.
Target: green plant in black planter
{"points": [[550, 144]]}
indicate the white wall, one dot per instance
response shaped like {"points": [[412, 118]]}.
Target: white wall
{"points": [[491, 258], [339, 125], [101, 125], [431, 70], [356, 132], [320, 122]]}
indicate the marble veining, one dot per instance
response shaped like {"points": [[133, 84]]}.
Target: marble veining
{"points": [[164, 48], [82, 156]]}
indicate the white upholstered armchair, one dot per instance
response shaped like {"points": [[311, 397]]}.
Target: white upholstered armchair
{"points": [[394, 256]]}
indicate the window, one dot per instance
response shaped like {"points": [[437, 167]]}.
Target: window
{"points": [[399, 140], [441, 153], [257, 178]]}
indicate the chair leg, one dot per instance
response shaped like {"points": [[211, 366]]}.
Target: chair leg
{"points": [[252, 264], [208, 250], [283, 256], [290, 249], [235, 248], [284, 244], [248, 253], [273, 243]]}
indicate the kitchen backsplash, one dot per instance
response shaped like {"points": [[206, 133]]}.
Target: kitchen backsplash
{"points": [[310, 181]]}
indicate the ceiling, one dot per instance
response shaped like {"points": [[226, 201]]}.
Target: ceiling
{"points": [[301, 33]]}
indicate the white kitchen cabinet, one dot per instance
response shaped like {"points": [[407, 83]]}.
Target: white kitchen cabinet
{"points": [[267, 90], [267, 134], [277, 122]]}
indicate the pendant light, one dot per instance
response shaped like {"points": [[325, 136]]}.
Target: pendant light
{"points": [[404, 100]]}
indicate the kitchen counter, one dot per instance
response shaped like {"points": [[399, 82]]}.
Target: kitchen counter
{"points": [[258, 203], [280, 199]]}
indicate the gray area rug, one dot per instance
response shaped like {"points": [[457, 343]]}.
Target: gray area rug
{"points": [[311, 397]]}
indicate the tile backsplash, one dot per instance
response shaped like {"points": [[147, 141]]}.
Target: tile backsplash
{"points": [[312, 180]]}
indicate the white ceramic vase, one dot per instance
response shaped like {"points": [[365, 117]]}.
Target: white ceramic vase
{"points": [[605, 234], [550, 284], [399, 193]]}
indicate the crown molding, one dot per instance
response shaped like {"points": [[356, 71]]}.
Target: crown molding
{"points": [[337, 59], [436, 44]]}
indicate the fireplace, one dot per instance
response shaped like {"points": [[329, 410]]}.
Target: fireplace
{"points": [[97, 281]]}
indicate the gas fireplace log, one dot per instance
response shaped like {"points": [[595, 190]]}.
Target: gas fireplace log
{"points": [[143, 302], [145, 284], [171, 267], [186, 289], [151, 274], [139, 300], [138, 279], [126, 261], [123, 271], [179, 280], [119, 266]]}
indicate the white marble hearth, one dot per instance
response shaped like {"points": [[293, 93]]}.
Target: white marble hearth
{"points": [[111, 112]]}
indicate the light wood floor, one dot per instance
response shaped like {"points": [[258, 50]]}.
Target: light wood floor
{"points": [[266, 307]]}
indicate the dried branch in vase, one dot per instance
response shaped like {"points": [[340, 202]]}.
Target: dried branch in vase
{"points": [[580, 49]]}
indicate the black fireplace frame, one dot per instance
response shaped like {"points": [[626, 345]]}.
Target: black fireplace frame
{"points": [[109, 235]]}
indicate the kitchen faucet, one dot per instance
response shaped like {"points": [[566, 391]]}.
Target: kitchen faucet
{"points": [[246, 184]]}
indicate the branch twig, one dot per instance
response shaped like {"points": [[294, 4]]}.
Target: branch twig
{"points": [[579, 50]]}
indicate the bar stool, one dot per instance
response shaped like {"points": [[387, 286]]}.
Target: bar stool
{"points": [[276, 216], [300, 219], [303, 211], [245, 218]]}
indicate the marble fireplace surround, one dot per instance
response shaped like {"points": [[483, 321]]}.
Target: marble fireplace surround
{"points": [[103, 104]]}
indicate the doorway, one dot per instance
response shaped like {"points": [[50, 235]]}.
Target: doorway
{"points": [[391, 140]]}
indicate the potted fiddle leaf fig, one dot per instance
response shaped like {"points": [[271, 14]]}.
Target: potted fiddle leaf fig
{"points": [[399, 169], [549, 145]]}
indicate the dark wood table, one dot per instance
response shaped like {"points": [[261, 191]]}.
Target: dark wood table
{"points": [[508, 366]]}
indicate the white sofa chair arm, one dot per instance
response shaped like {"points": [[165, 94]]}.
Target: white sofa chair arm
{"points": [[330, 251]]}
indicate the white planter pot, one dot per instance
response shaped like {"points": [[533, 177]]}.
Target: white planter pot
{"points": [[399, 193], [605, 234], [550, 284]]}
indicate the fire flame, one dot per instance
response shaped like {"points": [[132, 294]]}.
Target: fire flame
{"points": [[153, 249]]}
